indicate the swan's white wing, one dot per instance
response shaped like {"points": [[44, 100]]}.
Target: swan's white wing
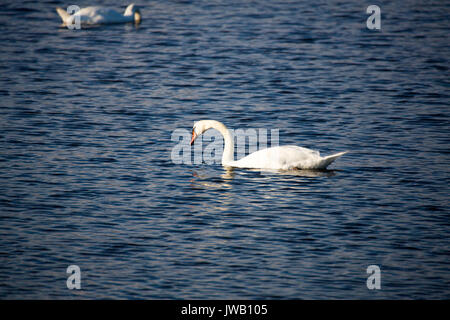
{"points": [[284, 157], [98, 15]]}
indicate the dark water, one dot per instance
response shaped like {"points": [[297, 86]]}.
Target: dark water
{"points": [[86, 176]]}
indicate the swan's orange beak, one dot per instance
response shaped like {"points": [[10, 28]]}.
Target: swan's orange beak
{"points": [[194, 136]]}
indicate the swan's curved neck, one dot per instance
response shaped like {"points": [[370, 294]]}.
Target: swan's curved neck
{"points": [[228, 150]]}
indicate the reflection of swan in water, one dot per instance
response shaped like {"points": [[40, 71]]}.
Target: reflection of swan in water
{"points": [[296, 172], [213, 182], [281, 157], [101, 15]]}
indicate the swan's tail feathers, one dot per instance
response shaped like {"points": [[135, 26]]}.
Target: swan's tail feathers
{"points": [[326, 161], [63, 14]]}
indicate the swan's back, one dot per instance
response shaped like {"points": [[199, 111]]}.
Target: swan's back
{"points": [[281, 157], [99, 15]]}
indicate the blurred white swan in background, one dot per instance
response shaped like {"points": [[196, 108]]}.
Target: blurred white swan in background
{"points": [[101, 15], [281, 157]]}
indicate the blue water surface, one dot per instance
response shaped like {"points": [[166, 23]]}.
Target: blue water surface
{"points": [[86, 175]]}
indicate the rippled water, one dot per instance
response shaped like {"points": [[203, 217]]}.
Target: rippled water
{"points": [[86, 176]]}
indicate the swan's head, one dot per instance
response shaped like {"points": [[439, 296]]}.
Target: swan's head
{"points": [[133, 10], [203, 125], [197, 129], [200, 127]]}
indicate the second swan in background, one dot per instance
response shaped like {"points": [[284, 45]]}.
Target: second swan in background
{"points": [[101, 15]]}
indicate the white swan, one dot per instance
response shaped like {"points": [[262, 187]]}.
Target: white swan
{"points": [[278, 158], [101, 15]]}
